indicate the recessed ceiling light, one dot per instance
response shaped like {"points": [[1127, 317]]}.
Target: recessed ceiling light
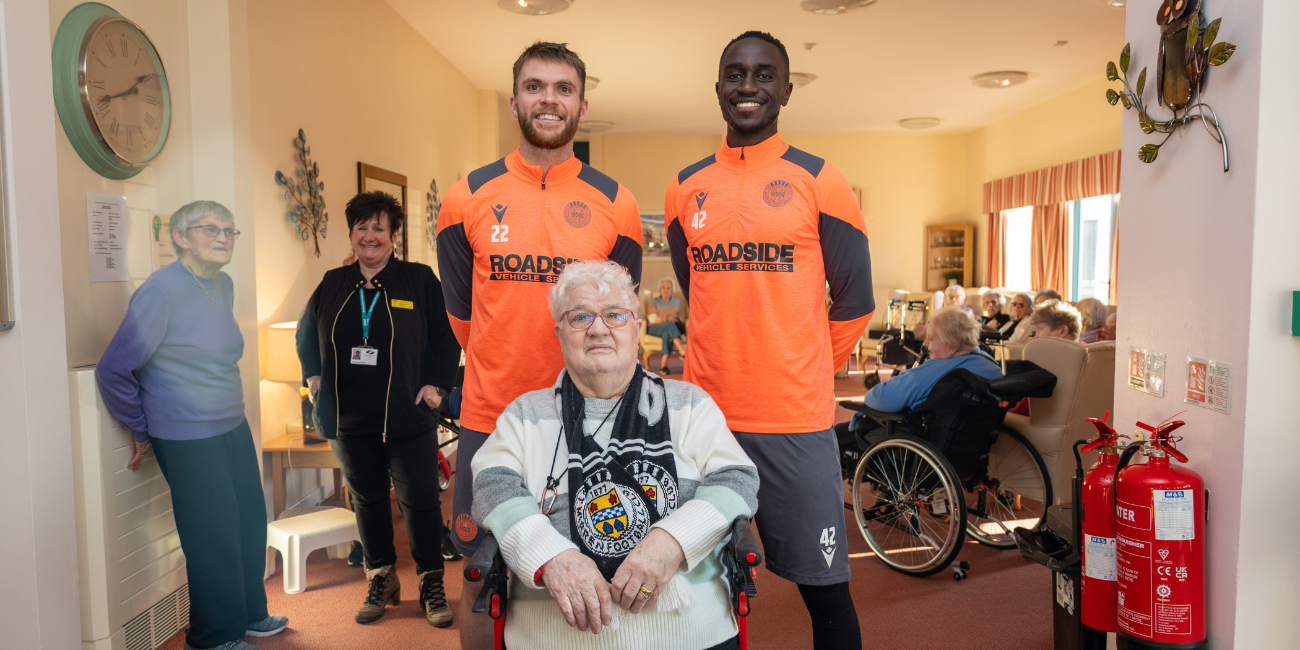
{"points": [[801, 79], [809, 46], [1060, 43], [595, 126], [1117, 3], [535, 7], [1002, 79], [918, 123], [592, 82], [834, 6]]}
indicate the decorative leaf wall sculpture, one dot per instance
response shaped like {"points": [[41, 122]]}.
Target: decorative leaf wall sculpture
{"points": [[307, 213]]}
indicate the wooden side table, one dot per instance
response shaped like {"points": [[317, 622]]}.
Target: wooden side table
{"points": [[290, 452]]}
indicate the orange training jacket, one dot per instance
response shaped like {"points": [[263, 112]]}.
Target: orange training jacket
{"points": [[504, 234], [756, 234]]}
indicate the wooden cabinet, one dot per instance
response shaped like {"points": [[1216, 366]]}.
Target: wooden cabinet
{"points": [[949, 249]]}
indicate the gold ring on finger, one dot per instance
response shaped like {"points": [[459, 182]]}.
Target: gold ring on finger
{"points": [[647, 593]]}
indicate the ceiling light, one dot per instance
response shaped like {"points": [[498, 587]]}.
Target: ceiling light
{"points": [[535, 7], [1000, 79], [595, 126], [801, 79], [592, 82], [833, 6], [1117, 3], [809, 46], [918, 123], [1060, 43]]}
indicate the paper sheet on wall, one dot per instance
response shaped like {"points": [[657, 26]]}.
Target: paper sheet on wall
{"points": [[1146, 371], [106, 221], [1209, 384], [160, 242]]}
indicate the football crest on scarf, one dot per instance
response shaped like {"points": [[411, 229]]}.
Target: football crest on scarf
{"points": [[615, 518], [658, 484]]}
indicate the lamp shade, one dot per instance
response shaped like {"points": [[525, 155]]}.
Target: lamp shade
{"points": [[282, 354]]}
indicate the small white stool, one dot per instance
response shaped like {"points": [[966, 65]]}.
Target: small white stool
{"points": [[297, 537]]}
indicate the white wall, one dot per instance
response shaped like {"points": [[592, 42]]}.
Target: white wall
{"points": [[39, 571], [1207, 265]]}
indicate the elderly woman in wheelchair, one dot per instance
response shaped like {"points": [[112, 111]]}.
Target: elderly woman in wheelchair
{"points": [[613, 487], [930, 461]]}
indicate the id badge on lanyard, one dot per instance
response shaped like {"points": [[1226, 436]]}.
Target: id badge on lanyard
{"points": [[364, 355]]}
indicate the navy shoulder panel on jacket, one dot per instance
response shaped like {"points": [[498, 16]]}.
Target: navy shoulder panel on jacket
{"points": [[812, 164], [690, 171], [479, 177], [604, 184]]}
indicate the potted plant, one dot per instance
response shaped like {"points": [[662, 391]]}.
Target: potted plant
{"points": [[952, 277]]}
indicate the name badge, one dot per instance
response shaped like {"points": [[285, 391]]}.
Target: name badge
{"points": [[403, 304], [365, 356]]}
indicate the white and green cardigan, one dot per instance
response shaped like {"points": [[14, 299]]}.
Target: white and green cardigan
{"points": [[716, 481]]}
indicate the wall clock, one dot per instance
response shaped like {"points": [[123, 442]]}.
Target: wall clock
{"points": [[110, 90]]}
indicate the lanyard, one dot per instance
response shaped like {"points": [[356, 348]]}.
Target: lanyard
{"points": [[553, 484], [365, 316]]}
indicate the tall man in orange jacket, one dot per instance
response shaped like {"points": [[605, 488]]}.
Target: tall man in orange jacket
{"points": [[757, 231], [504, 234]]}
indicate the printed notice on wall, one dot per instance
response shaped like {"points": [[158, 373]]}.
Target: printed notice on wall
{"points": [[1146, 371], [1209, 384], [106, 220], [160, 238]]}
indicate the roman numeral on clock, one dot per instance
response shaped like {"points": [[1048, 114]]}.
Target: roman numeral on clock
{"points": [[151, 100], [148, 120]]}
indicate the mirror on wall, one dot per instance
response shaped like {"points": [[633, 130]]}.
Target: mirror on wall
{"points": [[372, 179]]}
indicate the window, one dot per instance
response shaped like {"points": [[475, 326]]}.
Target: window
{"points": [[1018, 226], [1092, 231]]}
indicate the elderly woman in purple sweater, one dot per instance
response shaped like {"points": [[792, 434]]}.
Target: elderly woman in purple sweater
{"points": [[171, 376]]}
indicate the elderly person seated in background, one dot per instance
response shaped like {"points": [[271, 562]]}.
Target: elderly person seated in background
{"points": [[1094, 314], [1057, 319], [666, 323], [612, 487], [954, 297], [953, 343], [993, 302], [1018, 328], [1044, 295], [1107, 333]]}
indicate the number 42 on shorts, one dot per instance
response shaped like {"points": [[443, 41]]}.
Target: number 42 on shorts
{"points": [[828, 540]]}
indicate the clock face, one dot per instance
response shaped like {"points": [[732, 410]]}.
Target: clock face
{"points": [[123, 84]]}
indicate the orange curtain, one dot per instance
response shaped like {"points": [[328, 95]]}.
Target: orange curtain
{"points": [[1069, 182], [997, 257], [1048, 240]]}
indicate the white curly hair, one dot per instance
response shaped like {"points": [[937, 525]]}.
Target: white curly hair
{"points": [[611, 281]]}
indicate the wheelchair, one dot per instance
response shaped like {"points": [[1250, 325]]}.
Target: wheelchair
{"points": [[925, 478], [898, 347], [741, 556]]}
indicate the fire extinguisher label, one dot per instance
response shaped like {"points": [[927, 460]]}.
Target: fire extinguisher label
{"points": [[1175, 518], [1099, 558]]}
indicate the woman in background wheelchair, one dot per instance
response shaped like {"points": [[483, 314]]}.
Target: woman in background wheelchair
{"points": [[929, 460]]}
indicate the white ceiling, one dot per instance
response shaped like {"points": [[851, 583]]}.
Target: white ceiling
{"points": [[657, 59]]}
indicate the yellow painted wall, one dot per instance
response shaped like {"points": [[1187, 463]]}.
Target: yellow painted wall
{"points": [[365, 87]]}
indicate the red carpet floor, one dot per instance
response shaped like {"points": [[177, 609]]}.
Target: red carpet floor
{"points": [[1004, 603]]}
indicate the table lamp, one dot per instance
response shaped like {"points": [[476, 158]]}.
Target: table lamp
{"points": [[282, 366]]}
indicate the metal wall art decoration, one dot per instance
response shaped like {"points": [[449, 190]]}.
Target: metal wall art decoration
{"points": [[308, 215], [1186, 52], [432, 206]]}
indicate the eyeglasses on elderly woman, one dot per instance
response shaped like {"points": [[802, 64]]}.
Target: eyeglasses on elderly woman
{"points": [[581, 319]]}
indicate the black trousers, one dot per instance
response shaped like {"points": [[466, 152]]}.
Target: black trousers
{"points": [[221, 520], [412, 462]]}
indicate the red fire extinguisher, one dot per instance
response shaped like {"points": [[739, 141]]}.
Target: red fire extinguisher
{"points": [[1098, 530], [1160, 543]]}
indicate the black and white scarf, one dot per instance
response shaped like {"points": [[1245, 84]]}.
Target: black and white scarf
{"points": [[619, 491]]}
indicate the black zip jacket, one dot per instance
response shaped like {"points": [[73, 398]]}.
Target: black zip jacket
{"points": [[424, 349]]}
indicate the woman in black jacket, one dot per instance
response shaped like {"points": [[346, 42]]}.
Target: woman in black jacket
{"points": [[378, 355]]}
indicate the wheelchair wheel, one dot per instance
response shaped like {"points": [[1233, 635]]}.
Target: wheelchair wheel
{"points": [[903, 498], [1015, 491]]}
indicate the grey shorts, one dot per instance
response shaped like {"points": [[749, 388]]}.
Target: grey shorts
{"points": [[800, 516], [465, 532]]}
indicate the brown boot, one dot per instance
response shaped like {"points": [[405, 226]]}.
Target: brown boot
{"points": [[384, 590], [433, 598]]}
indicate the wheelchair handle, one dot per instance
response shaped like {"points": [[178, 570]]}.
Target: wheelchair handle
{"points": [[744, 543], [480, 565]]}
